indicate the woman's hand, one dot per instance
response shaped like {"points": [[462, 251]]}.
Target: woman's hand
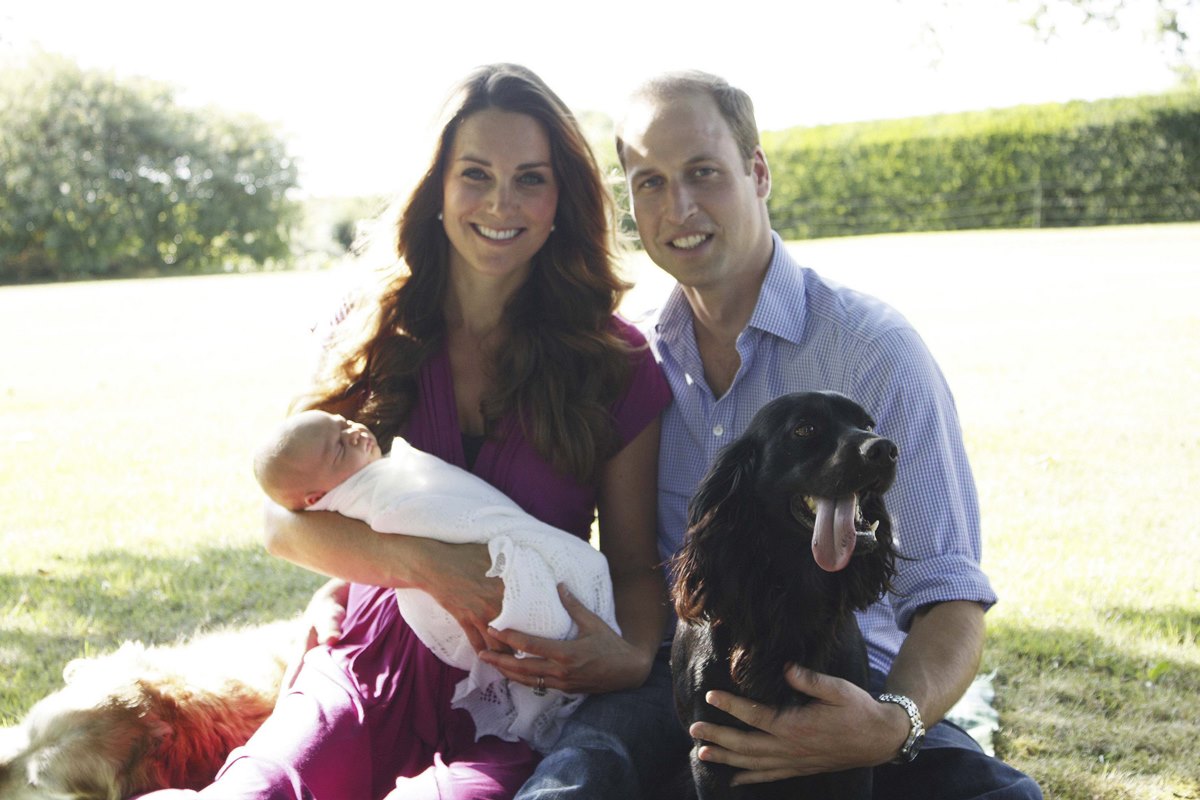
{"points": [[456, 578], [323, 615], [453, 574], [326, 612], [597, 660]]}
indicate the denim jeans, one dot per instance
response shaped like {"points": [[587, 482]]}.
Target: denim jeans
{"points": [[624, 746], [615, 745], [950, 766]]}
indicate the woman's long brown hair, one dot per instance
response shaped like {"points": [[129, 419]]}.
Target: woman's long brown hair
{"points": [[562, 365]]}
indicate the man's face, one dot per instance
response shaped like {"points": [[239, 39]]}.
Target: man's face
{"points": [[699, 205]]}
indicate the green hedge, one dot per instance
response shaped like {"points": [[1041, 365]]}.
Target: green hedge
{"points": [[1130, 160], [109, 177]]}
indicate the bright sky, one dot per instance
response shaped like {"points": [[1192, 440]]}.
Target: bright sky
{"points": [[354, 85]]}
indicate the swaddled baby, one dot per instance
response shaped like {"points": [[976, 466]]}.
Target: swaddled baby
{"points": [[323, 462]]}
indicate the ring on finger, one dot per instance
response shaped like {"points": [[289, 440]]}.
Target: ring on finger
{"points": [[540, 688]]}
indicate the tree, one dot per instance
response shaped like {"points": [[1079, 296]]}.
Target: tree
{"points": [[100, 177], [1173, 23], [600, 130]]}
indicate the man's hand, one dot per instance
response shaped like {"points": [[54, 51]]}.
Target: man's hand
{"points": [[597, 660], [842, 727]]}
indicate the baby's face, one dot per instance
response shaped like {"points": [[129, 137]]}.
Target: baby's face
{"points": [[337, 448]]}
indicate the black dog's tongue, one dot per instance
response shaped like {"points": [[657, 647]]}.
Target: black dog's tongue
{"points": [[833, 532]]}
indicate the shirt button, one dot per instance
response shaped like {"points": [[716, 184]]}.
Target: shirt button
{"points": [[718, 430]]}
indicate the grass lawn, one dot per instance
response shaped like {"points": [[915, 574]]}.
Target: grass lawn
{"points": [[128, 411]]}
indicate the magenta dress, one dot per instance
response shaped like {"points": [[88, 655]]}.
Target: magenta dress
{"points": [[372, 713]]}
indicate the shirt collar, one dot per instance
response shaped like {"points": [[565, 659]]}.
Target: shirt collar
{"points": [[779, 310], [675, 318], [780, 307]]}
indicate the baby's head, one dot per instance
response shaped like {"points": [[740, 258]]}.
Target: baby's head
{"points": [[311, 453]]}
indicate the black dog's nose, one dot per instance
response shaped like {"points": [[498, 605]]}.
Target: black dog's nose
{"points": [[881, 451]]}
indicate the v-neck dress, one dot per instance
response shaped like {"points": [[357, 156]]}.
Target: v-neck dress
{"points": [[373, 712]]}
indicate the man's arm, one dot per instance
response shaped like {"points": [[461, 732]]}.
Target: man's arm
{"points": [[939, 659]]}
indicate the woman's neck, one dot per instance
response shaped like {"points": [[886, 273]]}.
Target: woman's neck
{"points": [[476, 316], [475, 299], [475, 330]]}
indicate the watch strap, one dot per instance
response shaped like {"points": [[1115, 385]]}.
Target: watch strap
{"points": [[916, 732]]}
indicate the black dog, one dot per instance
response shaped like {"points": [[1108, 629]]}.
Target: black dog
{"points": [[787, 537]]}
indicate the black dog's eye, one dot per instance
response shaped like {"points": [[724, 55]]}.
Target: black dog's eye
{"points": [[804, 430]]}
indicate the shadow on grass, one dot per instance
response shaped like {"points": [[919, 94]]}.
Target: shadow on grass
{"points": [[1092, 717], [1076, 650], [1173, 625], [90, 605]]}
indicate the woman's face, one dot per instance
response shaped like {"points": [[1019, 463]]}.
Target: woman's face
{"points": [[499, 196]]}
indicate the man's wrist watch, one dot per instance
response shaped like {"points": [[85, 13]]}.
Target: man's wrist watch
{"points": [[916, 732]]}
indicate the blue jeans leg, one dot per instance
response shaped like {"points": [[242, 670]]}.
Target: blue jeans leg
{"points": [[951, 766], [614, 745], [948, 769]]}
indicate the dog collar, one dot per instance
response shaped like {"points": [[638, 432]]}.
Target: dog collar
{"points": [[916, 732]]}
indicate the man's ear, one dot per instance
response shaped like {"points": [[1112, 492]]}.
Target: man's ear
{"points": [[761, 173], [629, 194], [312, 497]]}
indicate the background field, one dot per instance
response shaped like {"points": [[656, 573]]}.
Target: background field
{"points": [[128, 411]]}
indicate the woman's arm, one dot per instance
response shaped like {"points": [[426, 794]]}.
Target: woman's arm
{"points": [[628, 509], [598, 660], [331, 544]]}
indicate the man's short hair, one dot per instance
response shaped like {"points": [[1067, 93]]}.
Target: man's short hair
{"points": [[734, 104]]}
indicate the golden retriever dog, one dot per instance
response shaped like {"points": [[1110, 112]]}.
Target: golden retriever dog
{"points": [[147, 718]]}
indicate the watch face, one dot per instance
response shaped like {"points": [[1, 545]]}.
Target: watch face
{"points": [[915, 747]]}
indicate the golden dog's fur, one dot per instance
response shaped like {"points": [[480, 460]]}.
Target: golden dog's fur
{"points": [[147, 718]]}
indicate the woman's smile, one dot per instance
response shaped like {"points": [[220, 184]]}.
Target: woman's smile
{"points": [[498, 235]]}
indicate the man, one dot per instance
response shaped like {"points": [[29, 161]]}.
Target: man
{"points": [[746, 324]]}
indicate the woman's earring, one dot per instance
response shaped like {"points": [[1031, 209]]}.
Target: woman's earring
{"points": [[552, 227], [439, 216]]}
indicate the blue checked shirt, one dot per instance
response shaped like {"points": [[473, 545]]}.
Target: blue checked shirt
{"points": [[807, 333]]}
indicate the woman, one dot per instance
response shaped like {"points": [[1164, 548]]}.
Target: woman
{"points": [[497, 349]]}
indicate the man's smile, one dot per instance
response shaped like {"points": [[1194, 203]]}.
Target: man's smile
{"points": [[690, 242]]}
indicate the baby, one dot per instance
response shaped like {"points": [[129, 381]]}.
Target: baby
{"points": [[323, 462], [310, 454]]}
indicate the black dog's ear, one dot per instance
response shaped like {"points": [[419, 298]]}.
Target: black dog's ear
{"points": [[731, 476], [721, 515]]}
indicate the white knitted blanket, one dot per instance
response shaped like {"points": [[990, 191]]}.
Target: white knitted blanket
{"points": [[415, 493]]}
